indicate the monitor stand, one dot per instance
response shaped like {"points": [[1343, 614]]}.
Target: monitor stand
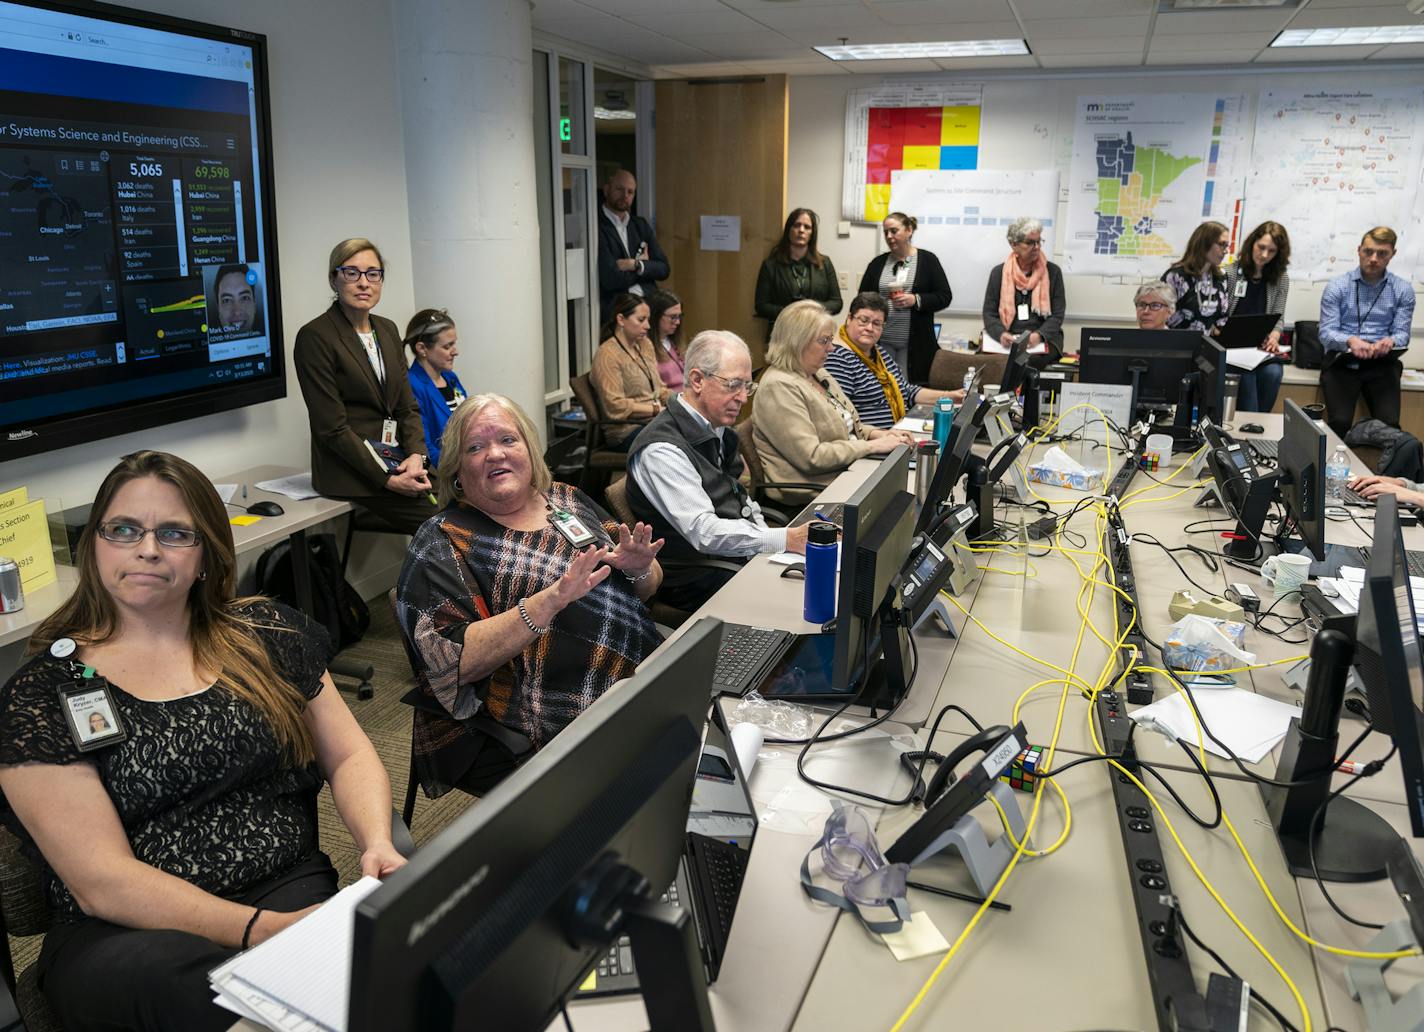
{"points": [[884, 686], [1351, 841], [999, 429]]}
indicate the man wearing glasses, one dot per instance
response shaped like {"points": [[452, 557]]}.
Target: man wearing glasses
{"points": [[1364, 328], [869, 375], [683, 474]]}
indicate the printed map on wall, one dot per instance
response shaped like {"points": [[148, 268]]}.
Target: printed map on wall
{"points": [[1329, 165], [914, 126], [1146, 171]]}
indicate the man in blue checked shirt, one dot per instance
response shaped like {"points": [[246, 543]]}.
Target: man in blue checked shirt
{"points": [[1364, 327]]}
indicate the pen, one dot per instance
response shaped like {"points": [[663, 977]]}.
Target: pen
{"points": [[966, 897]]}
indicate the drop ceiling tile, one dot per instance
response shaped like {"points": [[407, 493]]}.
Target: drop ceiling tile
{"points": [[1075, 28], [686, 24], [794, 16], [913, 12], [1120, 59], [1055, 46], [1340, 17], [1224, 24], [650, 6], [704, 70], [736, 46], [818, 65], [1030, 9], [1167, 56], [1205, 44], [1401, 51]]}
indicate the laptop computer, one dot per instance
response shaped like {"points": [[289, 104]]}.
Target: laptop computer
{"points": [[1245, 331], [721, 827]]}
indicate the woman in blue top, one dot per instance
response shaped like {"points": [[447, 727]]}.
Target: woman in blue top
{"points": [[430, 335]]}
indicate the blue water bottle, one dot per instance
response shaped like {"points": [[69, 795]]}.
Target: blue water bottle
{"points": [[943, 417], [822, 546]]}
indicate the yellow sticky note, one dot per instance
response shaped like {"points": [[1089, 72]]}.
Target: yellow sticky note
{"points": [[24, 537], [14, 499], [244, 521], [917, 937], [590, 983]]}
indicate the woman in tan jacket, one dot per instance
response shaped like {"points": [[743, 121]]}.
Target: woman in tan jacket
{"points": [[805, 428], [625, 370]]}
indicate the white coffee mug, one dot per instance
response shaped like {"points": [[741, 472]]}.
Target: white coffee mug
{"points": [[1285, 573]]}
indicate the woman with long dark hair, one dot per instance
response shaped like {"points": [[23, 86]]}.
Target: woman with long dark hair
{"points": [[188, 830], [796, 270], [625, 369], [1197, 280], [1257, 284], [665, 326]]}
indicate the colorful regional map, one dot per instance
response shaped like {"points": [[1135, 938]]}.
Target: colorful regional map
{"points": [[1131, 181], [898, 127], [1146, 171]]}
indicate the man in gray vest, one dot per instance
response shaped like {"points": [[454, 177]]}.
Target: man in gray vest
{"points": [[683, 471]]}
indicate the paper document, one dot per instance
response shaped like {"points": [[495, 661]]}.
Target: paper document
{"points": [[915, 426], [227, 492], [990, 346], [1250, 724], [299, 980], [1250, 358], [298, 486]]}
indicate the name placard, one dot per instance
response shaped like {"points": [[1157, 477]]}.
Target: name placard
{"points": [[24, 537], [14, 499]]}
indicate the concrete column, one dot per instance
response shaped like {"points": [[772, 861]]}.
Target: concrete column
{"points": [[465, 73]]}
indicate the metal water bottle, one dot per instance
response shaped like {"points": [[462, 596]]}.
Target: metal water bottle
{"points": [[12, 595], [926, 463], [822, 547], [943, 417]]}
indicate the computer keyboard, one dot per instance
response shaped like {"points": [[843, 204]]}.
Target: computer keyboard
{"points": [[1350, 497], [616, 970], [747, 653], [719, 868], [1265, 449], [835, 512], [1359, 555]]}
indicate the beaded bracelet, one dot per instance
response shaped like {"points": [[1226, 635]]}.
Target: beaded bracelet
{"points": [[524, 615], [641, 577]]}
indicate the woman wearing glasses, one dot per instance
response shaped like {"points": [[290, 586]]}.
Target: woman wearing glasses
{"points": [[1197, 281], [665, 321], [1025, 295], [805, 428], [1257, 284], [352, 375], [1154, 304], [187, 829], [431, 337], [913, 282]]}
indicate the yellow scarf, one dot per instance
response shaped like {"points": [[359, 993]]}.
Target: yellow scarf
{"points": [[877, 366]]}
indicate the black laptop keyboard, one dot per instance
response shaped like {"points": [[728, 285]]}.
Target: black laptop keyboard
{"points": [[719, 867], [1265, 449], [1360, 556], [747, 652], [835, 512]]}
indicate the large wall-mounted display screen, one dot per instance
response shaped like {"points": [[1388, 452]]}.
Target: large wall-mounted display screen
{"points": [[138, 259]]}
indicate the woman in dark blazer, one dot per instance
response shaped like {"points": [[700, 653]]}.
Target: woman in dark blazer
{"points": [[913, 282], [796, 270], [352, 373]]}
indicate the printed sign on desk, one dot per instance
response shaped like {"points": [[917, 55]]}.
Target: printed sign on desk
{"points": [[24, 537], [10, 500]]}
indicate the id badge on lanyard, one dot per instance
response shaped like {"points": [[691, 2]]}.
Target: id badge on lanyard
{"points": [[574, 530], [87, 703], [388, 433]]}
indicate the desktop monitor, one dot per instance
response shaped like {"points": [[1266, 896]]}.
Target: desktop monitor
{"points": [[1015, 366], [878, 527], [953, 461], [1387, 654], [497, 921], [1154, 362], [138, 233], [1301, 462], [1210, 384]]}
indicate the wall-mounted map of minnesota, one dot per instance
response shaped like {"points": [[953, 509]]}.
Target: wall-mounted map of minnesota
{"points": [[1131, 181]]}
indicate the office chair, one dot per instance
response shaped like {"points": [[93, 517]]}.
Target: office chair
{"points": [[599, 461], [758, 485]]}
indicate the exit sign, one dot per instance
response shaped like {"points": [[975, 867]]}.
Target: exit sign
{"points": [[566, 132]]}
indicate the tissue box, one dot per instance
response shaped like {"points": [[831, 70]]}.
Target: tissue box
{"points": [[1090, 480], [1181, 656]]}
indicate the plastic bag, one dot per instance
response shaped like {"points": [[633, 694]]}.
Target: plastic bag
{"points": [[776, 718], [1204, 643]]}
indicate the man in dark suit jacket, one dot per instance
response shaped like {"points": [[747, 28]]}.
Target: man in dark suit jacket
{"points": [[629, 258], [347, 405]]}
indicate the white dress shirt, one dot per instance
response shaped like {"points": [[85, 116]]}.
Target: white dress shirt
{"points": [[620, 223]]}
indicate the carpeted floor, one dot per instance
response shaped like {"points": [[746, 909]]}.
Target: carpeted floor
{"points": [[387, 723]]}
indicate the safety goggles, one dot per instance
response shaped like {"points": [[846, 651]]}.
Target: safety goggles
{"points": [[851, 856]]}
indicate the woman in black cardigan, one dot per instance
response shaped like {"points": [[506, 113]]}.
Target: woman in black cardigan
{"points": [[914, 284]]}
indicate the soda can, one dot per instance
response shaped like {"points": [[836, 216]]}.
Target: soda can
{"points": [[12, 596]]}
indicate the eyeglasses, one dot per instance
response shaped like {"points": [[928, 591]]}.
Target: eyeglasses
{"points": [[351, 274], [865, 320], [1149, 306], [827, 340], [1032, 243], [674, 316], [121, 533], [734, 386]]}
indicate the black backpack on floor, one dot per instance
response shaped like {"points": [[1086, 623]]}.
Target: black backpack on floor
{"points": [[336, 606]]}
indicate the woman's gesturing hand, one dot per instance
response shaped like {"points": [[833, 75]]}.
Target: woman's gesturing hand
{"points": [[636, 549]]}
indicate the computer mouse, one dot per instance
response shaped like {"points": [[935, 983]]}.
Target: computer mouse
{"points": [[1252, 428], [796, 571], [265, 509]]}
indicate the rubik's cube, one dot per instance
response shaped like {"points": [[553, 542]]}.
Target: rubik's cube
{"points": [[1150, 461], [1023, 771]]}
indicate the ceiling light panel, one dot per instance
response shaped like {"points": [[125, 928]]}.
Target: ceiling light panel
{"points": [[950, 48], [1352, 36]]}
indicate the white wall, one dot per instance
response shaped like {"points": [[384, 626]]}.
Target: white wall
{"points": [[339, 171], [1027, 124]]}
